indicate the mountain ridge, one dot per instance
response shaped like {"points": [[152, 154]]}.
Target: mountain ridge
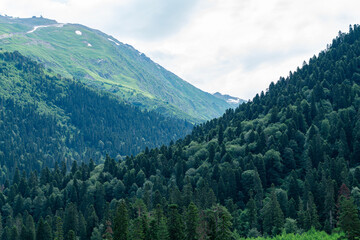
{"points": [[101, 61], [234, 101], [45, 117]]}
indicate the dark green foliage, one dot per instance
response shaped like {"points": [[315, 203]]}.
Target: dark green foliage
{"points": [[348, 218], [71, 219], [272, 215], [121, 222], [43, 231], [66, 119], [192, 222], [272, 170], [28, 229], [175, 224]]}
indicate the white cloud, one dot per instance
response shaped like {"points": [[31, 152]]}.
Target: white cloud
{"points": [[232, 46]]}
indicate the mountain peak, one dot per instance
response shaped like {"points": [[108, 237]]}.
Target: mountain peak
{"points": [[233, 101]]}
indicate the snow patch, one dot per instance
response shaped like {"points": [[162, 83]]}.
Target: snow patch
{"points": [[78, 32], [113, 41], [233, 100], [44, 26]]}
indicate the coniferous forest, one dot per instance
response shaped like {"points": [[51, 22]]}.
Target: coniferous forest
{"points": [[285, 163], [45, 119]]}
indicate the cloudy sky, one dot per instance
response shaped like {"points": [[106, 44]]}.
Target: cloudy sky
{"points": [[232, 46]]}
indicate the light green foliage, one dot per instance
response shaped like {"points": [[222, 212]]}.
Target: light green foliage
{"points": [[312, 234], [101, 61]]}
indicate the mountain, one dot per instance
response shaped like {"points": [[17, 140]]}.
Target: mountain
{"points": [[45, 119], [286, 162], [102, 62], [233, 101]]}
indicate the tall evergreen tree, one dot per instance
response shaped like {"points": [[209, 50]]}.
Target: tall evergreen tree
{"points": [[175, 223], [43, 231], [121, 222], [348, 218], [192, 222], [273, 217]]}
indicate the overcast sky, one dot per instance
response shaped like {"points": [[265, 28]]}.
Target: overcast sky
{"points": [[233, 46]]}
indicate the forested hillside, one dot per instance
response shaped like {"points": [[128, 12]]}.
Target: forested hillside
{"points": [[45, 119], [285, 162]]}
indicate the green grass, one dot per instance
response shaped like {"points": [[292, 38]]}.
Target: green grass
{"points": [[310, 235], [119, 69]]}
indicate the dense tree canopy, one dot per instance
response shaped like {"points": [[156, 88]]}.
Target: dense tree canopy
{"points": [[45, 118], [286, 162]]}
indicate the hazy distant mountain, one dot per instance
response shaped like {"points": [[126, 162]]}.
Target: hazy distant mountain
{"points": [[101, 61], [233, 101]]}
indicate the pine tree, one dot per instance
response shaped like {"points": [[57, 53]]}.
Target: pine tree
{"points": [[121, 222], [273, 217], [163, 233], [136, 229], [28, 230], [71, 219], [71, 235], [329, 204], [108, 235], [252, 212], [14, 234], [348, 218], [43, 231], [175, 224], [192, 222], [59, 234], [91, 221], [224, 224]]}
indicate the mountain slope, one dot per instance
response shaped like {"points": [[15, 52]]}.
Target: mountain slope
{"points": [[103, 62], [233, 101], [287, 161], [287, 158], [45, 118]]}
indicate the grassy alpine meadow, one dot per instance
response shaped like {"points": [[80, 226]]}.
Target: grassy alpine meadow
{"points": [[102, 62]]}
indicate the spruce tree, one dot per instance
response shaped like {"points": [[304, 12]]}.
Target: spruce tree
{"points": [[28, 229], [71, 235], [59, 234], [192, 222], [121, 222], [273, 217], [224, 224], [43, 231], [163, 233], [71, 219], [348, 218], [252, 213], [175, 224]]}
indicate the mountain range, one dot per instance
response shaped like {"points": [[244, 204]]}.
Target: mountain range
{"points": [[102, 62]]}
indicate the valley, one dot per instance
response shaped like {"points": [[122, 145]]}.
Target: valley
{"points": [[97, 147]]}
